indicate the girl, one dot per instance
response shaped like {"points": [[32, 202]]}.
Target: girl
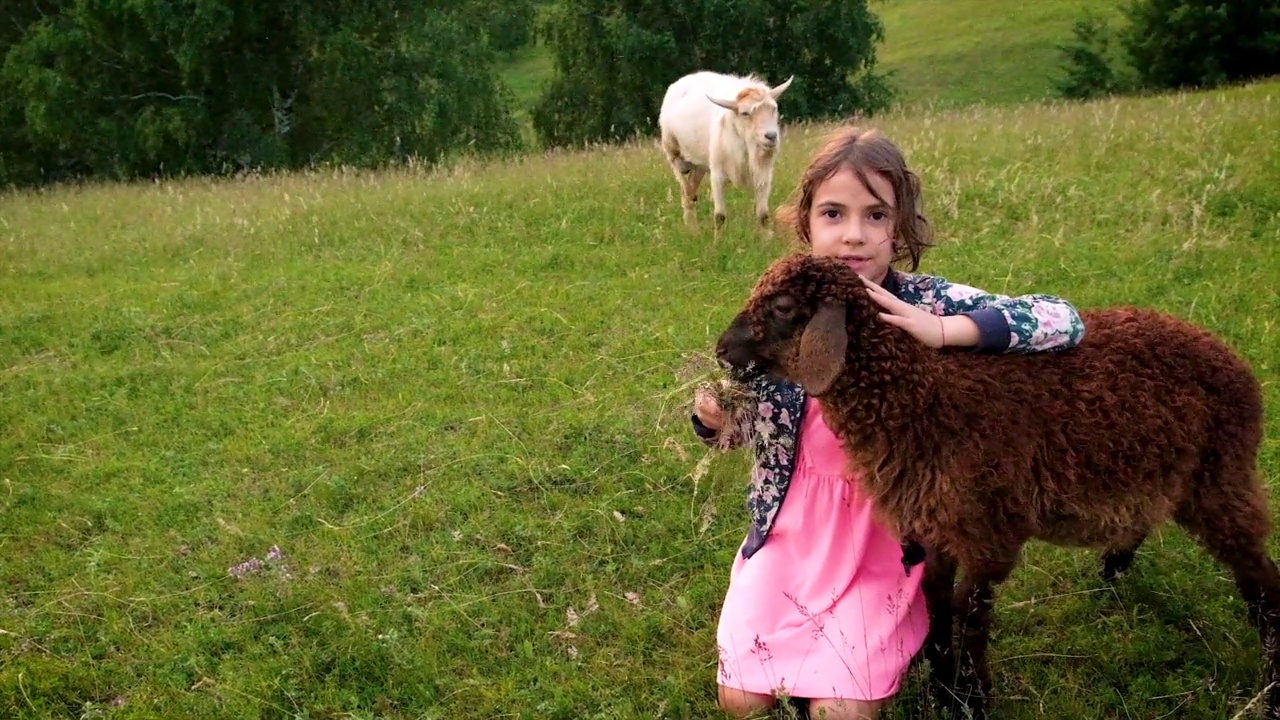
{"points": [[821, 602]]}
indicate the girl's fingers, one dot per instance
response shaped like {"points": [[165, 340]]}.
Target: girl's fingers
{"points": [[882, 297], [895, 319], [890, 302]]}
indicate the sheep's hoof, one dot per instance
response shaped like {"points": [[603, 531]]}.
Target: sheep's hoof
{"points": [[1115, 563], [973, 694], [719, 220]]}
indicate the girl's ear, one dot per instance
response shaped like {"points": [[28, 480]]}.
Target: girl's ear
{"points": [[822, 348]]}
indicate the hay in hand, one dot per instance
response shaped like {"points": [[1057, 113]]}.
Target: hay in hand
{"points": [[737, 402]]}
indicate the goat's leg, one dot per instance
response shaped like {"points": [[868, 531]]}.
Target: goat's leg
{"points": [[689, 191], [938, 585], [763, 186], [1117, 560], [684, 172], [718, 181], [981, 581], [1232, 522], [671, 148]]}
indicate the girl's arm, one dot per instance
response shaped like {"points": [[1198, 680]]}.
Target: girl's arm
{"points": [[1018, 324]]}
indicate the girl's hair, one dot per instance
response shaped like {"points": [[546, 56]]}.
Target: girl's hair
{"points": [[865, 151]]}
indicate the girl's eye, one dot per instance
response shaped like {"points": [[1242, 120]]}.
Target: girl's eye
{"points": [[879, 216], [830, 214]]}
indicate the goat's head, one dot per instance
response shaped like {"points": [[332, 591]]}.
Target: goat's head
{"points": [[755, 112], [796, 324]]}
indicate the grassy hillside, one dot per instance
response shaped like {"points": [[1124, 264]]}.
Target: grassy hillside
{"points": [[416, 446], [944, 52], [957, 52]]}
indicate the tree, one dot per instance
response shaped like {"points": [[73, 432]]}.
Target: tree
{"points": [[508, 24], [1202, 43], [142, 88], [615, 58], [1090, 69]]}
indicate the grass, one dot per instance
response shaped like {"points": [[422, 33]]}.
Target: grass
{"points": [[940, 53], [437, 424], [959, 52]]}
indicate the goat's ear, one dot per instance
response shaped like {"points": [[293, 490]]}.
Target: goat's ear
{"points": [[778, 90], [726, 104], [822, 348]]}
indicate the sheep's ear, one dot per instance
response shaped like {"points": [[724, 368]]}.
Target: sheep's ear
{"points": [[822, 348], [726, 104]]}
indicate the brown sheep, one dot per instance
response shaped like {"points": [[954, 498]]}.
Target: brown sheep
{"points": [[974, 454]]}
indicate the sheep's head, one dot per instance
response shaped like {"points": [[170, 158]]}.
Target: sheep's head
{"points": [[755, 112], [795, 326]]}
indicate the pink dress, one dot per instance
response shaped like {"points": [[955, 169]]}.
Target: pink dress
{"points": [[824, 609]]}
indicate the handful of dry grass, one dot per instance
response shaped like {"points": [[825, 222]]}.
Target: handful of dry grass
{"points": [[702, 374]]}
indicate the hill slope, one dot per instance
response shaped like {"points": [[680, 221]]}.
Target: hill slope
{"points": [[401, 445], [946, 52], [957, 52]]}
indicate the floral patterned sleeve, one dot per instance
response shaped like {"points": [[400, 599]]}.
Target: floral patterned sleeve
{"points": [[713, 438], [1017, 324]]}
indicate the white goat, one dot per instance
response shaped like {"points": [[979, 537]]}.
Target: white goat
{"points": [[726, 125]]}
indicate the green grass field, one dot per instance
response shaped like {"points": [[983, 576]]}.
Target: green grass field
{"points": [[959, 52], [940, 53], [456, 404]]}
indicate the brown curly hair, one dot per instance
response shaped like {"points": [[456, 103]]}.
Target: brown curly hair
{"points": [[864, 150]]}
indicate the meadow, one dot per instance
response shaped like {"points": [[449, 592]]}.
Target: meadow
{"points": [[952, 53], [938, 54], [415, 444]]}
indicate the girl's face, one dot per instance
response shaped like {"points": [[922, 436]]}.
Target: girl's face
{"points": [[848, 222]]}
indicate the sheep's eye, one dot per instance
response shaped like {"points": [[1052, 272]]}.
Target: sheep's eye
{"points": [[784, 306]]}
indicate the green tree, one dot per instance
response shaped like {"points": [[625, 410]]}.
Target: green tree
{"points": [[1089, 63], [1189, 43], [508, 24], [140, 88], [615, 58]]}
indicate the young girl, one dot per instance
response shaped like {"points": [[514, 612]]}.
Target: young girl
{"points": [[821, 602]]}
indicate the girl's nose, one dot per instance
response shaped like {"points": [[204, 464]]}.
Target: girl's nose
{"points": [[853, 232]]}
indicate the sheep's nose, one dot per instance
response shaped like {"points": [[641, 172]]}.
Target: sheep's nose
{"points": [[722, 357], [771, 136]]}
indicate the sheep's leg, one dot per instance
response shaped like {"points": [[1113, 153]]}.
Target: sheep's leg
{"points": [[1233, 526], [981, 582], [938, 585], [1118, 560]]}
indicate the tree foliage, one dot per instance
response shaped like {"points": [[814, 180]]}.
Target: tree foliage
{"points": [[1202, 43], [508, 24], [1090, 66], [1172, 44], [615, 58], [139, 88]]}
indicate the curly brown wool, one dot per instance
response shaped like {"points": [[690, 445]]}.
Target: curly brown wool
{"points": [[1148, 419]]}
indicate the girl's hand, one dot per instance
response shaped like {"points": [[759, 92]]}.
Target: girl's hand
{"points": [[708, 409], [932, 330]]}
